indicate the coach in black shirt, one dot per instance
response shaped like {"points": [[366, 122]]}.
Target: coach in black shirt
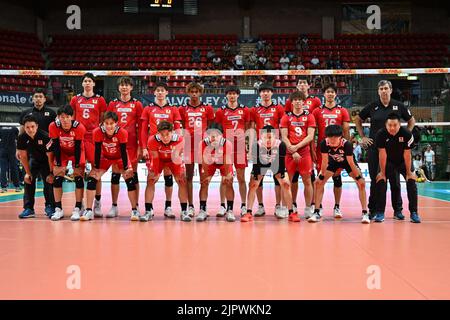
{"points": [[43, 114], [394, 145], [32, 146], [377, 112]]}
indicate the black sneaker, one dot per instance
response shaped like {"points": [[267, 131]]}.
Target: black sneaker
{"points": [[399, 215]]}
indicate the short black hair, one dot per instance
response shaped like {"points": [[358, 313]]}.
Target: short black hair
{"points": [[267, 129], [110, 115], [165, 125], [67, 109], [265, 86], [39, 90], [329, 86], [216, 126], [29, 118], [125, 81], [333, 130], [162, 85], [303, 78], [89, 75], [297, 95], [232, 89], [393, 116]]}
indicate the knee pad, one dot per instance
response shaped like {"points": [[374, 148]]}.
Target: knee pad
{"points": [[321, 177], [115, 178], [313, 177], [337, 181], [358, 177], [79, 182], [261, 183], [57, 182], [168, 181], [131, 186], [92, 183], [276, 181], [135, 178], [295, 177]]}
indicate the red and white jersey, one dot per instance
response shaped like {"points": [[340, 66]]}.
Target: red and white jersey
{"points": [[196, 118], [129, 114], [111, 144], [67, 137], [233, 121], [270, 115], [325, 116], [165, 151], [153, 114], [88, 111], [297, 126], [311, 103], [216, 155]]}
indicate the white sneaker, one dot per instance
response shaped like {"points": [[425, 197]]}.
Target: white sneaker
{"points": [[202, 215], [87, 215], [230, 216], [134, 215], [260, 212], [222, 212], [279, 212], [243, 210], [309, 211], [337, 213], [365, 218], [185, 216], [76, 213], [148, 216], [58, 215], [316, 217], [191, 212], [98, 209], [169, 213], [113, 212]]}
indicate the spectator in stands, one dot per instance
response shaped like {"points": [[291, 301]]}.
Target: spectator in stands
{"points": [[8, 161], [315, 61], [436, 98], [305, 45], [211, 54], [292, 66], [269, 64], [290, 55], [298, 44], [226, 49], [253, 61], [284, 62], [300, 65], [257, 83], [430, 129], [357, 151], [262, 60], [329, 63], [260, 45], [239, 61], [430, 162], [338, 63], [268, 50], [217, 62], [418, 169], [57, 91], [196, 55]]}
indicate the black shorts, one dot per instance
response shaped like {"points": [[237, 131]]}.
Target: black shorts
{"points": [[262, 170], [334, 166]]}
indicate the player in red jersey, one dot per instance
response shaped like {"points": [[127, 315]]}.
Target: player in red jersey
{"points": [[331, 113], [215, 153], [110, 151], [310, 103], [151, 116], [88, 110], [67, 145], [267, 113], [235, 121], [129, 111], [297, 131], [195, 118], [166, 151]]}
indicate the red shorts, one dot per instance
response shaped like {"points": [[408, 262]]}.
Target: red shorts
{"points": [[303, 167], [105, 164], [132, 152], [66, 158], [211, 169], [240, 160], [177, 169], [89, 149]]}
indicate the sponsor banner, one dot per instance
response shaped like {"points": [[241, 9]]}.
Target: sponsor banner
{"points": [[15, 98]]}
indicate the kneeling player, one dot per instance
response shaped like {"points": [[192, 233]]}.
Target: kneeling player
{"points": [[269, 153], [216, 153], [337, 154], [166, 151], [110, 150], [67, 145]]}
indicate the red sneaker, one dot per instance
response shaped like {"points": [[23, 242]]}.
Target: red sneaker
{"points": [[247, 217], [294, 217]]}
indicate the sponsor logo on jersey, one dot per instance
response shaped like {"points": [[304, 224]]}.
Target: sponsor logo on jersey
{"points": [[95, 101], [297, 124], [40, 142], [114, 139], [46, 114], [109, 145], [195, 114], [240, 112], [161, 116], [266, 115], [304, 118], [87, 106], [330, 116], [234, 118], [338, 111], [400, 139], [394, 107], [124, 110], [202, 109]]}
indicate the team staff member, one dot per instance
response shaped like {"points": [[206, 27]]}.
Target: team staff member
{"points": [[32, 146], [378, 111], [44, 115], [394, 145]]}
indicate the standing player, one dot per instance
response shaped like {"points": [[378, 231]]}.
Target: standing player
{"points": [[195, 118], [235, 120], [337, 154], [331, 113], [215, 153], [297, 131], [110, 150], [68, 137], [266, 113], [88, 110], [269, 152], [166, 151], [151, 116], [129, 111]]}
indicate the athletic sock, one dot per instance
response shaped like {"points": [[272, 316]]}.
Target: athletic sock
{"points": [[336, 206], [148, 206], [98, 197], [230, 205], [58, 205], [223, 205], [78, 205], [168, 204], [203, 205], [183, 206]]}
